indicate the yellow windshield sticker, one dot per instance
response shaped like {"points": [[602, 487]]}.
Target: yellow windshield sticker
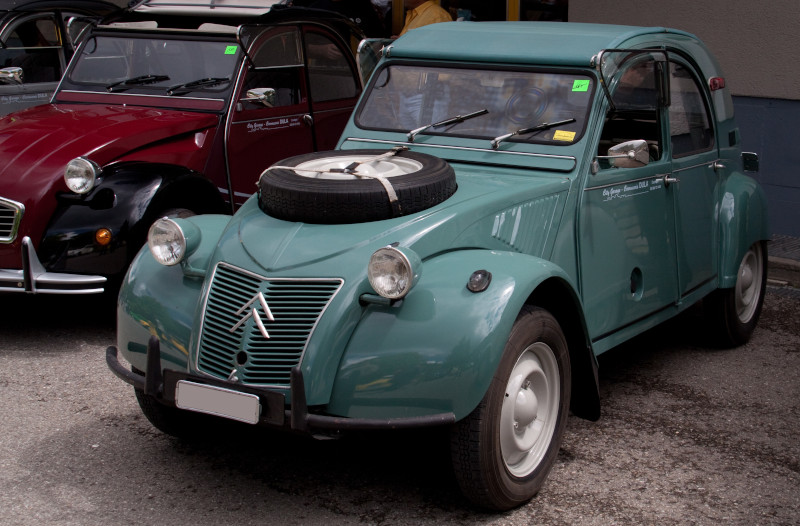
{"points": [[563, 135], [231, 50]]}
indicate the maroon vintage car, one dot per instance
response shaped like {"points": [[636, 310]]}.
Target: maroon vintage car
{"points": [[164, 110]]}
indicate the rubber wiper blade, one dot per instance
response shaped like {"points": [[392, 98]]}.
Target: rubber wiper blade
{"points": [[446, 122], [135, 81], [186, 87], [522, 131]]}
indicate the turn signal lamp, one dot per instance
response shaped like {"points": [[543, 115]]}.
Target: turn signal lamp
{"points": [[102, 236]]}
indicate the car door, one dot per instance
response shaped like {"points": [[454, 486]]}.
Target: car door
{"points": [[695, 177], [32, 61], [626, 224], [272, 118], [295, 98]]}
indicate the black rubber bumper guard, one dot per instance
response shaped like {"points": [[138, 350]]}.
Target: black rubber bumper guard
{"points": [[162, 384]]}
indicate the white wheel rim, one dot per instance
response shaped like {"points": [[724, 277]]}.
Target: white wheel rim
{"points": [[748, 284], [530, 410], [325, 167]]}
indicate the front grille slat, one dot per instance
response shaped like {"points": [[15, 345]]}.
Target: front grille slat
{"points": [[296, 305], [10, 216]]}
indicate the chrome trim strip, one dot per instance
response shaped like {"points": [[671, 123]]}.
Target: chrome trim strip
{"points": [[709, 163], [207, 292], [482, 150], [34, 279], [19, 211], [119, 94], [654, 176]]}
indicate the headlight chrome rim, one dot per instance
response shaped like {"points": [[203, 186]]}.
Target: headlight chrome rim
{"points": [[81, 174], [167, 242], [393, 271]]}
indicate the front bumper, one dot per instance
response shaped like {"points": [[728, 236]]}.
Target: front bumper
{"points": [[34, 279], [162, 385]]}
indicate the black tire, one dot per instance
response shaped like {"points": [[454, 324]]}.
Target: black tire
{"points": [[500, 464], [423, 181], [733, 313]]}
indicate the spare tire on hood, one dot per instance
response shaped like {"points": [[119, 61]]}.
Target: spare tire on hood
{"points": [[354, 186]]}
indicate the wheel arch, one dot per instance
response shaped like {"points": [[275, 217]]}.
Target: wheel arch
{"points": [[559, 299], [126, 201]]}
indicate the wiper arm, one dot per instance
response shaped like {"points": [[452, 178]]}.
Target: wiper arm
{"points": [[186, 87], [135, 81], [453, 120], [522, 131]]}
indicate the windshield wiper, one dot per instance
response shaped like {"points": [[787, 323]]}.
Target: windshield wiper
{"points": [[186, 87], [522, 131], [135, 81], [453, 120]]}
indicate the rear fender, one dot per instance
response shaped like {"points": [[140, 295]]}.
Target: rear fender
{"points": [[743, 222]]}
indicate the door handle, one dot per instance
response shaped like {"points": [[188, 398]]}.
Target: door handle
{"points": [[670, 180], [308, 120], [716, 166]]}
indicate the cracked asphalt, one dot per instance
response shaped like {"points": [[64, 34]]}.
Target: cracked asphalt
{"points": [[690, 434]]}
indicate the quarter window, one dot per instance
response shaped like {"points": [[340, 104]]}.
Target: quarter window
{"points": [[689, 123], [329, 71]]}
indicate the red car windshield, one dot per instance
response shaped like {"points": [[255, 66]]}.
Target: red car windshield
{"points": [[155, 66]]}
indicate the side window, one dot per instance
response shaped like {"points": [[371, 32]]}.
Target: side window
{"points": [[278, 68], [35, 46], [329, 71], [689, 125], [636, 113]]}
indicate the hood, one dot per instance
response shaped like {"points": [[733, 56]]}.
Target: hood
{"points": [[36, 144], [485, 212]]}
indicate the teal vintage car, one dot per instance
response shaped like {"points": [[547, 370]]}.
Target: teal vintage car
{"points": [[507, 202]]}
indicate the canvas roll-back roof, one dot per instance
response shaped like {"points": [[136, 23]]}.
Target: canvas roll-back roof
{"points": [[547, 43]]}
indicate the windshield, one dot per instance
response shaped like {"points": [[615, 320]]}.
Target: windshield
{"points": [[533, 106], [155, 66]]}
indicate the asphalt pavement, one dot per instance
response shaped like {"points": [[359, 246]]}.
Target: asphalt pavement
{"points": [[689, 434]]}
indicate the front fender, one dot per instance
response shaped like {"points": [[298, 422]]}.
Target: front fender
{"points": [[125, 202], [161, 301], [743, 221], [437, 350]]}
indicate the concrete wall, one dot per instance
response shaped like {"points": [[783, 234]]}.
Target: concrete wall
{"points": [[755, 41]]}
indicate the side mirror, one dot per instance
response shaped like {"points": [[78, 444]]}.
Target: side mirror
{"points": [[265, 96], [629, 154], [12, 75]]}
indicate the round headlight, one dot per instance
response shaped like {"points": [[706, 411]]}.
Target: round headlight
{"points": [[392, 272], [80, 175], [167, 242]]}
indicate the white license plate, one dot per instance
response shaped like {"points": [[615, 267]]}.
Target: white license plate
{"points": [[217, 401]]}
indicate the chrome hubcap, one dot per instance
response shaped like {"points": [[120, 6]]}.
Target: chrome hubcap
{"points": [[530, 409], [748, 284]]}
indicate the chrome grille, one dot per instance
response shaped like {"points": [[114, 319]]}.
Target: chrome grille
{"points": [[10, 215], [295, 306]]}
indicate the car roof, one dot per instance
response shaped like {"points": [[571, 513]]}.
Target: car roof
{"points": [[551, 43], [88, 6], [192, 14]]}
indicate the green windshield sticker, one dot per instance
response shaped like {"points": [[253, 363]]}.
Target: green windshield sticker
{"points": [[231, 50], [580, 85]]}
